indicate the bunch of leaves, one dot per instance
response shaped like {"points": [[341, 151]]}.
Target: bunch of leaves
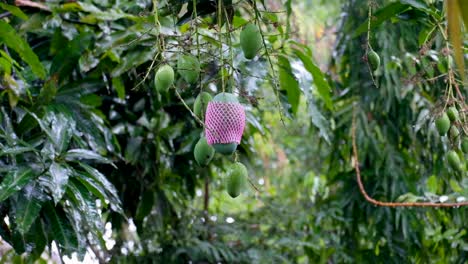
{"points": [[401, 155]]}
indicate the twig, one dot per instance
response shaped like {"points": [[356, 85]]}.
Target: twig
{"points": [[388, 204], [32, 4], [267, 53]]}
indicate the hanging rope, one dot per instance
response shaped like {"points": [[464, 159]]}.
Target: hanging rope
{"points": [[388, 204]]}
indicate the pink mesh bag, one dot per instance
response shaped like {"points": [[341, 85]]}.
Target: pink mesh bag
{"points": [[224, 122]]}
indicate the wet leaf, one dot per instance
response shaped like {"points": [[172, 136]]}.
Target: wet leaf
{"points": [[58, 180], [15, 181]]}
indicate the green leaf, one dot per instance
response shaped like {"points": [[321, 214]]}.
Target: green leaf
{"points": [[418, 4], [27, 210], [106, 185], [81, 154], [62, 230], [10, 37], [14, 11], [58, 181], [119, 87], [432, 184], [318, 120], [132, 60], [145, 205], [320, 81], [289, 83], [455, 186], [48, 92], [15, 150], [464, 11], [86, 206], [15, 181], [91, 100], [381, 16]]}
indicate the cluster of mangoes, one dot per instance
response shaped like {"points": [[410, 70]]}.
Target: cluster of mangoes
{"points": [[204, 153], [447, 123], [188, 67]]}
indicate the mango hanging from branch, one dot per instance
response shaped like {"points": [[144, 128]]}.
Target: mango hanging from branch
{"points": [[251, 40], [224, 123]]}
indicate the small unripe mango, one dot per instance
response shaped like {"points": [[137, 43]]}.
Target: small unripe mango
{"points": [[203, 152], [454, 160], [454, 132], [201, 102], [452, 114], [236, 179], [464, 145], [188, 67], [442, 124], [374, 59], [250, 40], [164, 78]]}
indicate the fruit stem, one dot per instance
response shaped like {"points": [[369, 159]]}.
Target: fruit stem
{"points": [[220, 25], [368, 46], [273, 72]]}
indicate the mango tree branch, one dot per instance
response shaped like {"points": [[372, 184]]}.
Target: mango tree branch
{"points": [[387, 204]]}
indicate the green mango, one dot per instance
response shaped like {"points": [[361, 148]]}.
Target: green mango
{"points": [[225, 98], [203, 152], [225, 149], [201, 102], [374, 59], [188, 67], [250, 40], [464, 145], [236, 179], [443, 124], [164, 78], [454, 160], [452, 114], [454, 132]]}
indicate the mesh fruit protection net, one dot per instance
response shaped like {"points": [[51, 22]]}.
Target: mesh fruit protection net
{"points": [[224, 122]]}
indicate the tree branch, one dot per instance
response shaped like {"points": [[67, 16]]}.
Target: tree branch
{"points": [[388, 204]]}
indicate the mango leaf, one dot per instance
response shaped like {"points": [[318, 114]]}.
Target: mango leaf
{"points": [[58, 180], [15, 150], [48, 92], [81, 154], [381, 16], [288, 83], [15, 181], [61, 129], [62, 230], [14, 11], [323, 88], [318, 120], [10, 37], [463, 5], [132, 60], [27, 210], [86, 206], [110, 189], [92, 185], [119, 87], [432, 184], [145, 205]]}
